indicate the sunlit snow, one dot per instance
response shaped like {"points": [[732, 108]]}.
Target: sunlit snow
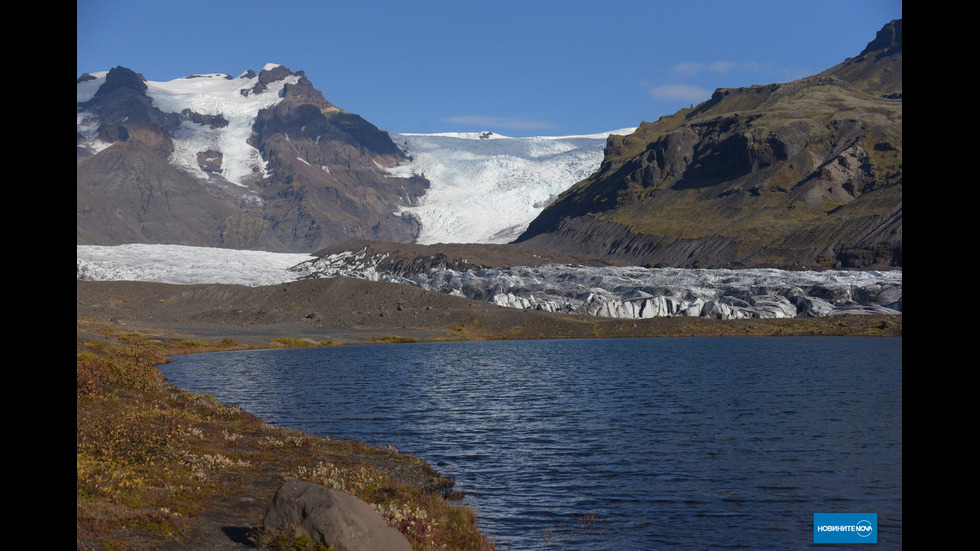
{"points": [[210, 94], [487, 188]]}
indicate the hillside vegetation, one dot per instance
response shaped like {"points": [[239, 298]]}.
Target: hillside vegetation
{"points": [[800, 174]]}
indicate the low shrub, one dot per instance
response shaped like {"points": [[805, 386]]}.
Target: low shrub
{"points": [[391, 339], [194, 343], [102, 366], [293, 343]]}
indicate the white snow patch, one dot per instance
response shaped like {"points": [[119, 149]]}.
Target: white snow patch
{"points": [[86, 122], [218, 94], [85, 91]]}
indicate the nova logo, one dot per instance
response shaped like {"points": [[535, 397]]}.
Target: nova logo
{"points": [[845, 528]]}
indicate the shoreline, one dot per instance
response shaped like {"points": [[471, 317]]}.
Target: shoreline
{"points": [[204, 483]]}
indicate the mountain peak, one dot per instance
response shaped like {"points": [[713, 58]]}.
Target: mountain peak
{"points": [[120, 78], [878, 68], [271, 73], [888, 41]]}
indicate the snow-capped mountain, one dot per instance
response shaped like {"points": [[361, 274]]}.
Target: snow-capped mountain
{"points": [[259, 161], [263, 161], [226, 109], [486, 188], [621, 292]]}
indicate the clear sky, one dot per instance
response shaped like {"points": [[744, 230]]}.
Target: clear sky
{"points": [[516, 67]]}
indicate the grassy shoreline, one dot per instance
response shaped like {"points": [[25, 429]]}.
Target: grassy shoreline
{"points": [[162, 468]]}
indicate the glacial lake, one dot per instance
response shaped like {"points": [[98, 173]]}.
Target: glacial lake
{"points": [[652, 444]]}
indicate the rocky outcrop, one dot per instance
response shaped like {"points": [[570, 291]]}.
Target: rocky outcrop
{"points": [[805, 174], [878, 68], [334, 518], [126, 113]]}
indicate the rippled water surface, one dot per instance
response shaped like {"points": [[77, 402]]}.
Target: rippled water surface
{"points": [[688, 443]]}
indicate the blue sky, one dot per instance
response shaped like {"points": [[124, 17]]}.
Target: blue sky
{"points": [[518, 68]]}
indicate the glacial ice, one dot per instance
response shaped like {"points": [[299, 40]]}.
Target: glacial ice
{"points": [[619, 292], [636, 292]]}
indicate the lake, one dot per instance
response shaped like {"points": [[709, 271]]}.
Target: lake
{"points": [[661, 443]]}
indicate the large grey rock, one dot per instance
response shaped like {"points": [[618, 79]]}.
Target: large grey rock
{"points": [[336, 518]]}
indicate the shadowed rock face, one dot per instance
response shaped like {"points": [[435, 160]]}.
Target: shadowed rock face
{"points": [[324, 181], [801, 174], [126, 113]]}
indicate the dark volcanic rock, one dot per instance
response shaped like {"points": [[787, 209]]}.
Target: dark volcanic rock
{"points": [[210, 160], [878, 68], [887, 42], [268, 76], [127, 113]]}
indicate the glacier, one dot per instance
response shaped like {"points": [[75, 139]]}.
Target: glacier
{"points": [[487, 188], [184, 265], [620, 291]]}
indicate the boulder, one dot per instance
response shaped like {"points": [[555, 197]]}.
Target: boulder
{"points": [[336, 518]]}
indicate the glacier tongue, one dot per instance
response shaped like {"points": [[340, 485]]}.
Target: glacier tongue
{"points": [[620, 292], [635, 292], [183, 265]]}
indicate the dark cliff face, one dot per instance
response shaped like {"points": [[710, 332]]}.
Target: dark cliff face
{"points": [[801, 174], [125, 112], [325, 182]]}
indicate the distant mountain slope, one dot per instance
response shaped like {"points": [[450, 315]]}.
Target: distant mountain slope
{"points": [[261, 161], [801, 174]]}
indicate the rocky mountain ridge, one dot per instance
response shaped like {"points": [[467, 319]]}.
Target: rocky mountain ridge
{"points": [[286, 171], [804, 174]]}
